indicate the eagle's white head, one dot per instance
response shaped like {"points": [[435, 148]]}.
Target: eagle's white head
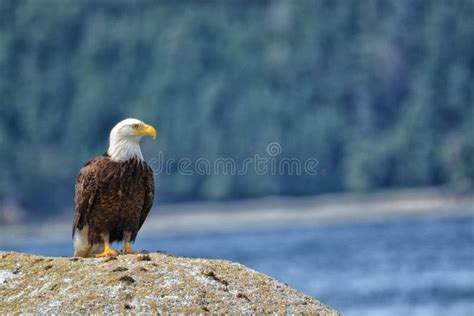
{"points": [[125, 137]]}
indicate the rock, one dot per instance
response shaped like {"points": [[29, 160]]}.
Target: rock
{"points": [[154, 282]]}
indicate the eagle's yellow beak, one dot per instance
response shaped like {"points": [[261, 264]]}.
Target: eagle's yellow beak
{"points": [[147, 130]]}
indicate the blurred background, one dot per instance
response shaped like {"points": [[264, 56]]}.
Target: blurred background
{"points": [[379, 93]]}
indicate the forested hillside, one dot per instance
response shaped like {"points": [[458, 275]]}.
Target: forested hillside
{"points": [[381, 93]]}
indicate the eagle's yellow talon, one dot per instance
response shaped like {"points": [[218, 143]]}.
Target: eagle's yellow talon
{"points": [[127, 249], [108, 252]]}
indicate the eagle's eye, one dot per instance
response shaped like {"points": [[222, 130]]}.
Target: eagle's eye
{"points": [[135, 126]]}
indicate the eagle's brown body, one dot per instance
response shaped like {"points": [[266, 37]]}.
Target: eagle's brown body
{"points": [[112, 199]]}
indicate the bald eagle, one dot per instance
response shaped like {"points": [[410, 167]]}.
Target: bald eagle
{"points": [[114, 193]]}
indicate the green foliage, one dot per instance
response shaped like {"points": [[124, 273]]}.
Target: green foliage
{"points": [[380, 92]]}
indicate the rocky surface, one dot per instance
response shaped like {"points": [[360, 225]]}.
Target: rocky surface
{"points": [[154, 282]]}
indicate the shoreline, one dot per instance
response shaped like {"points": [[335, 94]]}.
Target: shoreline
{"points": [[324, 209], [201, 217]]}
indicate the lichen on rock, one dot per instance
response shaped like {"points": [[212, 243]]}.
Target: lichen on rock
{"points": [[154, 282]]}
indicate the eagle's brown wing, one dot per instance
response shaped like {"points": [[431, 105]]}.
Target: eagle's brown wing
{"points": [[149, 194], [86, 188]]}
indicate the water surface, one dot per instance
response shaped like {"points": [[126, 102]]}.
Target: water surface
{"points": [[403, 266]]}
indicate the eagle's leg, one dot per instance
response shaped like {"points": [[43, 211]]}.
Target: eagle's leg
{"points": [[108, 251], [127, 249]]}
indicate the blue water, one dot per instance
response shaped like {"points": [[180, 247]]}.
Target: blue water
{"points": [[405, 266]]}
